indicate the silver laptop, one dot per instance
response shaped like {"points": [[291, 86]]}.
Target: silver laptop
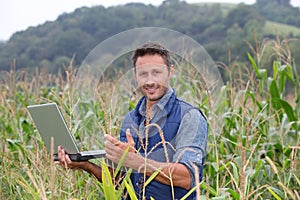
{"points": [[50, 123]]}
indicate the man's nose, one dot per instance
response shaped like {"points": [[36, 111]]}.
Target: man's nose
{"points": [[150, 80], [149, 84]]}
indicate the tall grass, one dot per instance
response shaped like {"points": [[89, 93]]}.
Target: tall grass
{"points": [[253, 149]]}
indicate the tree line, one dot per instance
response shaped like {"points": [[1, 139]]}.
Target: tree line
{"points": [[219, 28]]}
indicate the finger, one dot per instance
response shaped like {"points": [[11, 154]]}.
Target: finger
{"points": [[111, 139], [63, 159], [68, 160], [61, 154], [109, 147], [129, 138]]}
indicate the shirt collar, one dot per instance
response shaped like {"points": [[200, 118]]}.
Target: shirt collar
{"points": [[160, 104]]}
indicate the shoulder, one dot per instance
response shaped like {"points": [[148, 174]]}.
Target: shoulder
{"points": [[194, 116], [190, 111], [130, 117]]}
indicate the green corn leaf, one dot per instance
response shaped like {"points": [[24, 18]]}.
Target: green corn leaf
{"points": [[222, 148], [281, 83], [9, 129], [127, 179], [211, 190], [273, 193], [189, 193], [12, 144], [120, 191], [275, 70], [253, 63], [288, 109], [121, 161], [108, 187], [297, 179], [223, 197], [248, 93], [288, 72], [131, 105], [259, 165], [274, 89], [153, 176], [215, 166], [21, 98], [235, 172], [263, 73], [130, 191], [27, 187], [233, 193], [275, 95], [286, 163]]}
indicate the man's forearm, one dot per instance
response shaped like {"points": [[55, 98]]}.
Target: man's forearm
{"points": [[93, 169], [175, 174], [96, 171]]}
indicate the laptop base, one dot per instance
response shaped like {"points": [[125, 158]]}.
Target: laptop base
{"points": [[83, 156]]}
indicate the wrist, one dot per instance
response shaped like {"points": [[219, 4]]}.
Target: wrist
{"points": [[87, 166]]}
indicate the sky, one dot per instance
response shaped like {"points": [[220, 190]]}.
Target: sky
{"points": [[18, 15]]}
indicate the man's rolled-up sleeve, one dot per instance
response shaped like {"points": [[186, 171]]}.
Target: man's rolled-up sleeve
{"points": [[190, 143]]}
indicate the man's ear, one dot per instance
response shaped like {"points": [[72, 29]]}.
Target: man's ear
{"points": [[171, 71]]}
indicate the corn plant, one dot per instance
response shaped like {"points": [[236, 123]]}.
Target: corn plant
{"points": [[253, 144]]}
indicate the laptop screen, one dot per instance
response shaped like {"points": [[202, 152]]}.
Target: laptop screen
{"points": [[50, 123]]}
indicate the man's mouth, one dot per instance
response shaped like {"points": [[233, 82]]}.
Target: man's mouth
{"points": [[151, 90]]}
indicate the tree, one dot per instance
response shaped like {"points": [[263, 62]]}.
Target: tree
{"points": [[212, 25], [264, 3], [241, 15]]}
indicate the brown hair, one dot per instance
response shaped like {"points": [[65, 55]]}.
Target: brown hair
{"points": [[152, 48]]}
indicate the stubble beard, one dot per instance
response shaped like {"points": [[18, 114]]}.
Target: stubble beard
{"points": [[163, 91]]}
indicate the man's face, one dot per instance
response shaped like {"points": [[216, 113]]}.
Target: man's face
{"points": [[153, 76]]}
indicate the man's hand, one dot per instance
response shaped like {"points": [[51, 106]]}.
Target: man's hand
{"points": [[65, 161], [115, 149]]}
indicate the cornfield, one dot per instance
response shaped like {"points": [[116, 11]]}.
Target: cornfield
{"points": [[253, 144]]}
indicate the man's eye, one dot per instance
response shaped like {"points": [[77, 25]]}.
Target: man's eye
{"points": [[142, 74], [156, 72]]}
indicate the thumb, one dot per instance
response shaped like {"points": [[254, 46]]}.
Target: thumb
{"points": [[129, 138]]}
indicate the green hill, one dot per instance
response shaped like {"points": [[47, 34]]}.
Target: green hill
{"points": [[216, 26], [225, 7], [274, 28], [270, 27]]}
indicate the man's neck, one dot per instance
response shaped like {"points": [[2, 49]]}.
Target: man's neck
{"points": [[149, 106]]}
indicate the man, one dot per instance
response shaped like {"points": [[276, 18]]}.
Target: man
{"points": [[163, 132]]}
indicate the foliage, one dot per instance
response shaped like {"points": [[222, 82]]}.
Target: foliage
{"points": [[253, 149], [271, 28], [266, 8], [48, 46]]}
